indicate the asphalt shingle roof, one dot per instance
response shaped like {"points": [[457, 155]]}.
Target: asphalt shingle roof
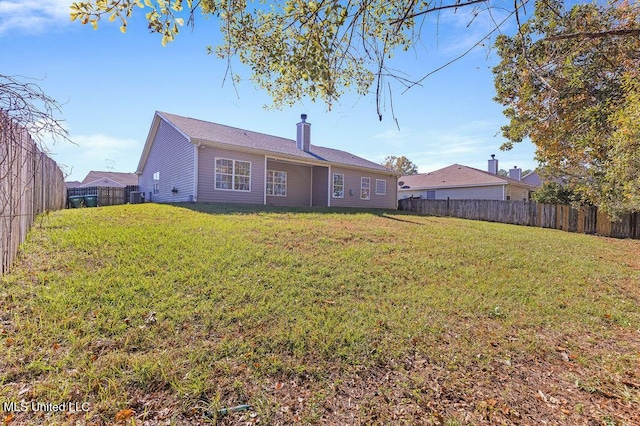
{"points": [[204, 131], [454, 176], [122, 178]]}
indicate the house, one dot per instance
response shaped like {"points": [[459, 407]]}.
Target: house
{"points": [[73, 184], [458, 182], [185, 159], [533, 179], [110, 179]]}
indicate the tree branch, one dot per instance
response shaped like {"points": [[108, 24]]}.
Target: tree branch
{"points": [[601, 34], [435, 9]]}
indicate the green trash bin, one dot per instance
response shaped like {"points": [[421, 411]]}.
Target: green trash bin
{"points": [[91, 200], [76, 201]]}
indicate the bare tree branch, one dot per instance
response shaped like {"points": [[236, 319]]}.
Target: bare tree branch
{"points": [[435, 9], [602, 34]]}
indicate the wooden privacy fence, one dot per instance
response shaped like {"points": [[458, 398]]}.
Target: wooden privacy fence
{"points": [[586, 220], [30, 183], [107, 196]]}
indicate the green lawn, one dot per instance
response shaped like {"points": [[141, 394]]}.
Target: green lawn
{"points": [[170, 313]]}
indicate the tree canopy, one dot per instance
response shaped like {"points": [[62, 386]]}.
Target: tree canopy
{"points": [[569, 82], [297, 48], [400, 164]]}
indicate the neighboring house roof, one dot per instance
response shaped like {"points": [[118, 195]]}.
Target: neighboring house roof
{"points": [[97, 178], [455, 176], [73, 184], [199, 131], [532, 179]]}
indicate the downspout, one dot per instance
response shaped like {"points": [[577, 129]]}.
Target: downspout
{"points": [[311, 189], [329, 187], [264, 186], [504, 192], [196, 148]]}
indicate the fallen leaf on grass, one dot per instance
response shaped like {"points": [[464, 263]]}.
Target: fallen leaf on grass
{"points": [[278, 385], [9, 342], [123, 415], [542, 396], [8, 419], [630, 383], [151, 318]]}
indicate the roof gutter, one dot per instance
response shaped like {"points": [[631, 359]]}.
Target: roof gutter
{"points": [[283, 157]]}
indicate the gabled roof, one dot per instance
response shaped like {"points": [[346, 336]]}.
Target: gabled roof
{"points": [[455, 176], [123, 179], [207, 133], [73, 184], [532, 179]]}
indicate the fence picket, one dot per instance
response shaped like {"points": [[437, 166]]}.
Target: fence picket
{"points": [[30, 183], [586, 220]]}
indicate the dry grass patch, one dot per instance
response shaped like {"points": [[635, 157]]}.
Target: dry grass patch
{"points": [[155, 313]]}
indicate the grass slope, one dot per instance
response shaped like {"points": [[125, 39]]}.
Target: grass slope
{"points": [[163, 313]]}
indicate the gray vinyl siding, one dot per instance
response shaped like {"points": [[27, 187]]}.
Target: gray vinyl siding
{"points": [[491, 192], [352, 181], [320, 189], [173, 156], [298, 185], [206, 177], [471, 193]]}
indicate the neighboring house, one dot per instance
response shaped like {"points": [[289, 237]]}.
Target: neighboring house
{"points": [[459, 182], [186, 159], [73, 184], [532, 179], [110, 179]]}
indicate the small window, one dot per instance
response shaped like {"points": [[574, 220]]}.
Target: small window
{"points": [[338, 185], [156, 183], [365, 188], [276, 183], [431, 195], [381, 187]]}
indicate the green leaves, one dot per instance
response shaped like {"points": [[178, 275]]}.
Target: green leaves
{"points": [[565, 91], [294, 49]]}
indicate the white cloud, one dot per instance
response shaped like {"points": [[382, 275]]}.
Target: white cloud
{"points": [[461, 29], [395, 138], [470, 144], [96, 152], [32, 16]]}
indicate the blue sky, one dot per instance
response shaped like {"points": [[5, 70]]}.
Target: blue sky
{"points": [[110, 85]]}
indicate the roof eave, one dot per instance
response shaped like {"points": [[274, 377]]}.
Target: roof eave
{"points": [[276, 155], [153, 130]]}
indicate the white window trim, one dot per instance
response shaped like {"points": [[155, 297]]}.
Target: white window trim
{"points": [[385, 187], [285, 183], [333, 185], [233, 175], [362, 188]]}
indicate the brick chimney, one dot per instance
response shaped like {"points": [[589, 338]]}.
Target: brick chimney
{"points": [[515, 173], [303, 137], [493, 165]]}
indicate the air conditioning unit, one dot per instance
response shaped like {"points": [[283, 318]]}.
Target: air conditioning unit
{"points": [[134, 197]]}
